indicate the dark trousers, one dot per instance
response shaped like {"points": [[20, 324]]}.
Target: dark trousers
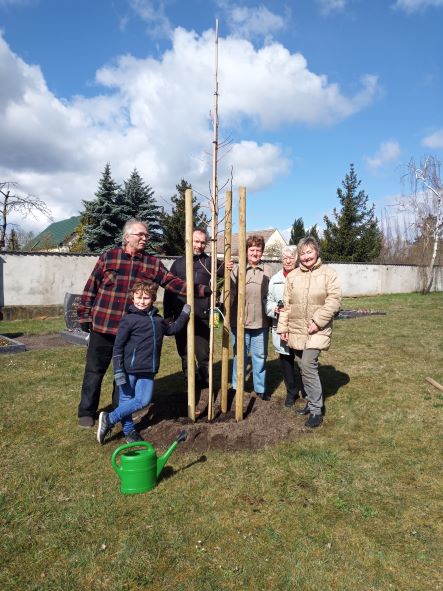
{"points": [[201, 351], [291, 375], [98, 359]]}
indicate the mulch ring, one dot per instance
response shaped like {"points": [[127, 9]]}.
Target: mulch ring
{"points": [[42, 341]]}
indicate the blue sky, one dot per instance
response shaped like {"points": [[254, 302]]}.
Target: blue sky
{"points": [[306, 87]]}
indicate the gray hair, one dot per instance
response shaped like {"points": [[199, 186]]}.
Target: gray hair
{"points": [[128, 227], [309, 241], [289, 250]]}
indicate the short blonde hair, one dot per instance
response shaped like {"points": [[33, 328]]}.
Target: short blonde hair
{"points": [[147, 286]]}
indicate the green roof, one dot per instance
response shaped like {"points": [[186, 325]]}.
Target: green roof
{"points": [[55, 234]]}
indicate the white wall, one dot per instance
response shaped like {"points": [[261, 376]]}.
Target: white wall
{"points": [[44, 278]]}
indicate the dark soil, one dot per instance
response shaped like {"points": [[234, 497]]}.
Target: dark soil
{"points": [[264, 422]]}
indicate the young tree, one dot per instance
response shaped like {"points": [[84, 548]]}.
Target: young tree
{"points": [[173, 224], [104, 226], [297, 231], [354, 236], [136, 200], [23, 205]]}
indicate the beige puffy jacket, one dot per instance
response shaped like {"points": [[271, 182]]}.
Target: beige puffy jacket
{"points": [[257, 283], [310, 296]]}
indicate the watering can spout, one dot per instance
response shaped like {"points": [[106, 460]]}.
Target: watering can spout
{"points": [[161, 461]]}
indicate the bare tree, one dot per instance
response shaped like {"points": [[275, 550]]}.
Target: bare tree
{"points": [[24, 205], [425, 203]]}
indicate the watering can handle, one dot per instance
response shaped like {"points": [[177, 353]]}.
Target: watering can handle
{"points": [[125, 446]]}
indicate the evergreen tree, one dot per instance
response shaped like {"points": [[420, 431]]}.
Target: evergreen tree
{"points": [[354, 236], [313, 232], [104, 226], [297, 231], [173, 224], [136, 200], [13, 241]]}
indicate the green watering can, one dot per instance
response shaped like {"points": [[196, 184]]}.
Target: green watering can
{"points": [[139, 469]]}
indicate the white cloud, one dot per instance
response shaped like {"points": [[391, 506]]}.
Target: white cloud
{"points": [[330, 6], [155, 116], [435, 140], [153, 13], [387, 152], [256, 22], [410, 6]]}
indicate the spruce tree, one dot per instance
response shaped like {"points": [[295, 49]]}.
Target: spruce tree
{"points": [[136, 200], [354, 236], [104, 227], [297, 231], [173, 224], [313, 232]]}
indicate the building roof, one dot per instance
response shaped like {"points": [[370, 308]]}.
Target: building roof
{"points": [[234, 239], [55, 235]]}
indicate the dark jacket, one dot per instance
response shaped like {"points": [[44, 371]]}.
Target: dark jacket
{"points": [[173, 303], [139, 340]]}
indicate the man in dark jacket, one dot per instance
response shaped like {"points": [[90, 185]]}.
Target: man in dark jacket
{"points": [[105, 299], [173, 304]]}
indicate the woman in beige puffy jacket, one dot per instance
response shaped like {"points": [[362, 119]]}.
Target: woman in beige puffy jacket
{"points": [[311, 299]]}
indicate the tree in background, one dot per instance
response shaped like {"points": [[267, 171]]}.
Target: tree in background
{"points": [[354, 236], [103, 227], [12, 202], [13, 241], [297, 231], [173, 224], [313, 232], [136, 200]]}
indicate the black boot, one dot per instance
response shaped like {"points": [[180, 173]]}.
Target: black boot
{"points": [[290, 399]]}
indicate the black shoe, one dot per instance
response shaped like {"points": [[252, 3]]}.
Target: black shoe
{"points": [[263, 396], [104, 427], [304, 410], [314, 421], [290, 399], [133, 437]]}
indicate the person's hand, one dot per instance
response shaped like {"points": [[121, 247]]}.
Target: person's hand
{"points": [[86, 326], [186, 309], [284, 336], [120, 378], [230, 265], [313, 328]]}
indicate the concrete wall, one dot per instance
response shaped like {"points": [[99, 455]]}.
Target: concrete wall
{"points": [[42, 279]]}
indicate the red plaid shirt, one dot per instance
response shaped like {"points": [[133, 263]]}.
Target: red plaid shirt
{"points": [[105, 297]]}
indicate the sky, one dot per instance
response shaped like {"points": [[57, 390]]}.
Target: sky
{"points": [[306, 87]]}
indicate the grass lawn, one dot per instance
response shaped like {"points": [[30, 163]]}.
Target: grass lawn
{"points": [[354, 505]]}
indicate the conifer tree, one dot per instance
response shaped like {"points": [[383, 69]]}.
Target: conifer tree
{"points": [[313, 232], [104, 226], [297, 231], [136, 200], [173, 224], [354, 236]]}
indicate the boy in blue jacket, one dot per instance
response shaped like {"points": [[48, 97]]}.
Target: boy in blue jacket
{"points": [[136, 358]]}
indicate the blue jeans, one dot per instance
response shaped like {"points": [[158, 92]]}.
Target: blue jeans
{"points": [[134, 395], [256, 343]]}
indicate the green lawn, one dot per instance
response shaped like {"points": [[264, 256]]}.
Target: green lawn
{"points": [[355, 505]]}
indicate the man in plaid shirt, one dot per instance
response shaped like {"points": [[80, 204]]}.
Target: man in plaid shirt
{"points": [[105, 299]]}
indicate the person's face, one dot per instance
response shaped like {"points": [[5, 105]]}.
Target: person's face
{"points": [[254, 255], [308, 256], [198, 242], [288, 262], [142, 300], [136, 237]]}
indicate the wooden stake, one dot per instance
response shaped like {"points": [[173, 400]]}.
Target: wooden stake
{"points": [[241, 286], [227, 303], [190, 301], [435, 384]]}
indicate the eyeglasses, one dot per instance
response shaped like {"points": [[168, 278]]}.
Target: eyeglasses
{"points": [[288, 258], [140, 235]]}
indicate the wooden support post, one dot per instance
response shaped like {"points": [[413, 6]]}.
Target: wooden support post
{"points": [[435, 384], [227, 304], [241, 286], [190, 301]]}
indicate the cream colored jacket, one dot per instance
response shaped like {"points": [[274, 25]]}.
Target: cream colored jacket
{"points": [[310, 296], [257, 283]]}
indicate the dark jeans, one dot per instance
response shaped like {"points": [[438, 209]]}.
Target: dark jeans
{"points": [[291, 375], [98, 358], [202, 330]]}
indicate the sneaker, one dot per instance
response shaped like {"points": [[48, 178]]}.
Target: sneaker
{"points": [[304, 410], [314, 421], [104, 427], [86, 422], [133, 437]]}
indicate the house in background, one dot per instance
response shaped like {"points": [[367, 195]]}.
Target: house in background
{"points": [[274, 242], [58, 237]]}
